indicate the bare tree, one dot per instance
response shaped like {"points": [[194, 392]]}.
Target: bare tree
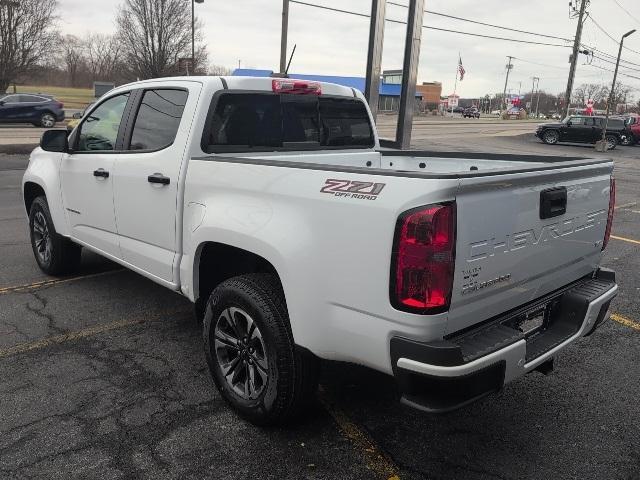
{"points": [[621, 95], [219, 70], [154, 35], [593, 91], [72, 55], [26, 36], [103, 61]]}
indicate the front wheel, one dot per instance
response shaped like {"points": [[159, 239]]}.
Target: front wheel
{"points": [[54, 254], [551, 137], [252, 357], [612, 142], [627, 140]]}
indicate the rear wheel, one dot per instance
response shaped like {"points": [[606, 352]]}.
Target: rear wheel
{"points": [[251, 354], [54, 254], [551, 137], [612, 141], [47, 120]]}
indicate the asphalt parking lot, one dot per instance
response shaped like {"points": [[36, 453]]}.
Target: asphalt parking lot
{"points": [[103, 376]]}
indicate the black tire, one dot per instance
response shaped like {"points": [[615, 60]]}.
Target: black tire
{"points": [[62, 255], [291, 378], [550, 137], [612, 142], [47, 120]]}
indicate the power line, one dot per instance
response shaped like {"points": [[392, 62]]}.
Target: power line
{"points": [[485, 24], [613, 63], [590, 17], [506, 39], [540, 64], [626, 11], [614, 57], [611, 71]]}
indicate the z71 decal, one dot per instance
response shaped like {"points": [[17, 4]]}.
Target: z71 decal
{"points": [[352, 189]]}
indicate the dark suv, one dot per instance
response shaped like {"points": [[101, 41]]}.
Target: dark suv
{"points": [[584, 129], [38, 109]]}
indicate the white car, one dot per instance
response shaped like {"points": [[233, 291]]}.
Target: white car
{"points": [[268, 203]]}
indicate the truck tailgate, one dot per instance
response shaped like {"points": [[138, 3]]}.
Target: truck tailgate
{"points": [[515, 243]]}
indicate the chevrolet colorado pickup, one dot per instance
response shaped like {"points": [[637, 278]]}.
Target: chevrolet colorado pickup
{"points": [[269, 204]]}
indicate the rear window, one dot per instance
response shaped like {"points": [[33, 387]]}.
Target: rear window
{"points": [[264, 121]]}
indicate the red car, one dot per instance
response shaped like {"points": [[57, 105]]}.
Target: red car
{"points": [[633, 122]]}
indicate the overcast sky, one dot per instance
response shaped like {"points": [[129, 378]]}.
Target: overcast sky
{"points": [[330, 43]]}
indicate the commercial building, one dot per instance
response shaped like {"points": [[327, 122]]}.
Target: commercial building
{"points": [[389, 92]]}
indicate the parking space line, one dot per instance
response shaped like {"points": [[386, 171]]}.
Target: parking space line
{"points": [[84, 333], [47, 283], [630, 240], [627, 322], [625, 205], [379, 463]]}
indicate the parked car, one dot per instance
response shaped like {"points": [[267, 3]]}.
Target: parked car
{"points": [[269, 204], [495, 112], [471, 112], [38, 109], [633, 124], [73, 123], [584, 129], [456, 110]]}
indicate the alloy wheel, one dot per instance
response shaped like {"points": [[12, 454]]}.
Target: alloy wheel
{"points": [[42, 237], [48, 121], [241, 353], [551, 136]]}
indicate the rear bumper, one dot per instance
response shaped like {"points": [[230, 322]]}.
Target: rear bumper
{"points": [[448, 374]]}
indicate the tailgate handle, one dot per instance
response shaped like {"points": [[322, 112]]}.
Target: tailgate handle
{"points": [[553, 202]]}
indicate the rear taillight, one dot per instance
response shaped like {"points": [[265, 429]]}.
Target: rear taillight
{"points": [[423, 259], [296, 87], [612, 204]]}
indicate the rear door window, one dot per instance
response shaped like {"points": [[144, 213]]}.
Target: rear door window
{"points": [[265, 121], [158, 119]]}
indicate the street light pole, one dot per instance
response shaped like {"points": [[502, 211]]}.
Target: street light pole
{"points": [[601, 146], [193, 34]]}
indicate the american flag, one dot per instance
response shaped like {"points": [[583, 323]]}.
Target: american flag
{"points": [[461, 69]]}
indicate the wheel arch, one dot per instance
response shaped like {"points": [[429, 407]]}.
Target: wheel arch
{"points": [[215, 262], [31, 190]]}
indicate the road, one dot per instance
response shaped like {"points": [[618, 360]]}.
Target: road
{"points": [[103, 376]]}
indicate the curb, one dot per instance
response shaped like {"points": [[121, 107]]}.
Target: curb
{"points": [[17, 149]]}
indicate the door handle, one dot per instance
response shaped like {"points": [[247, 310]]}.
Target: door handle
{"points": [[159, 178], [101, 172]]}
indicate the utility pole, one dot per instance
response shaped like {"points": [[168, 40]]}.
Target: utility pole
{"points": [[533, 91], [506, 81], [283, 35], [574, 58], [538, 92]]}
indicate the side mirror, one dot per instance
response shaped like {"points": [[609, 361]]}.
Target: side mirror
{"points": [[55, 141], [77, 115], [569, 123]]}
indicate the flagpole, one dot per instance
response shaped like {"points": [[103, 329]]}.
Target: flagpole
{"points": [[455, 85]]}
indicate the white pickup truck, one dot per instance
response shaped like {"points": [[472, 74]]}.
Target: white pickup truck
{"points": [[268, 203]]}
